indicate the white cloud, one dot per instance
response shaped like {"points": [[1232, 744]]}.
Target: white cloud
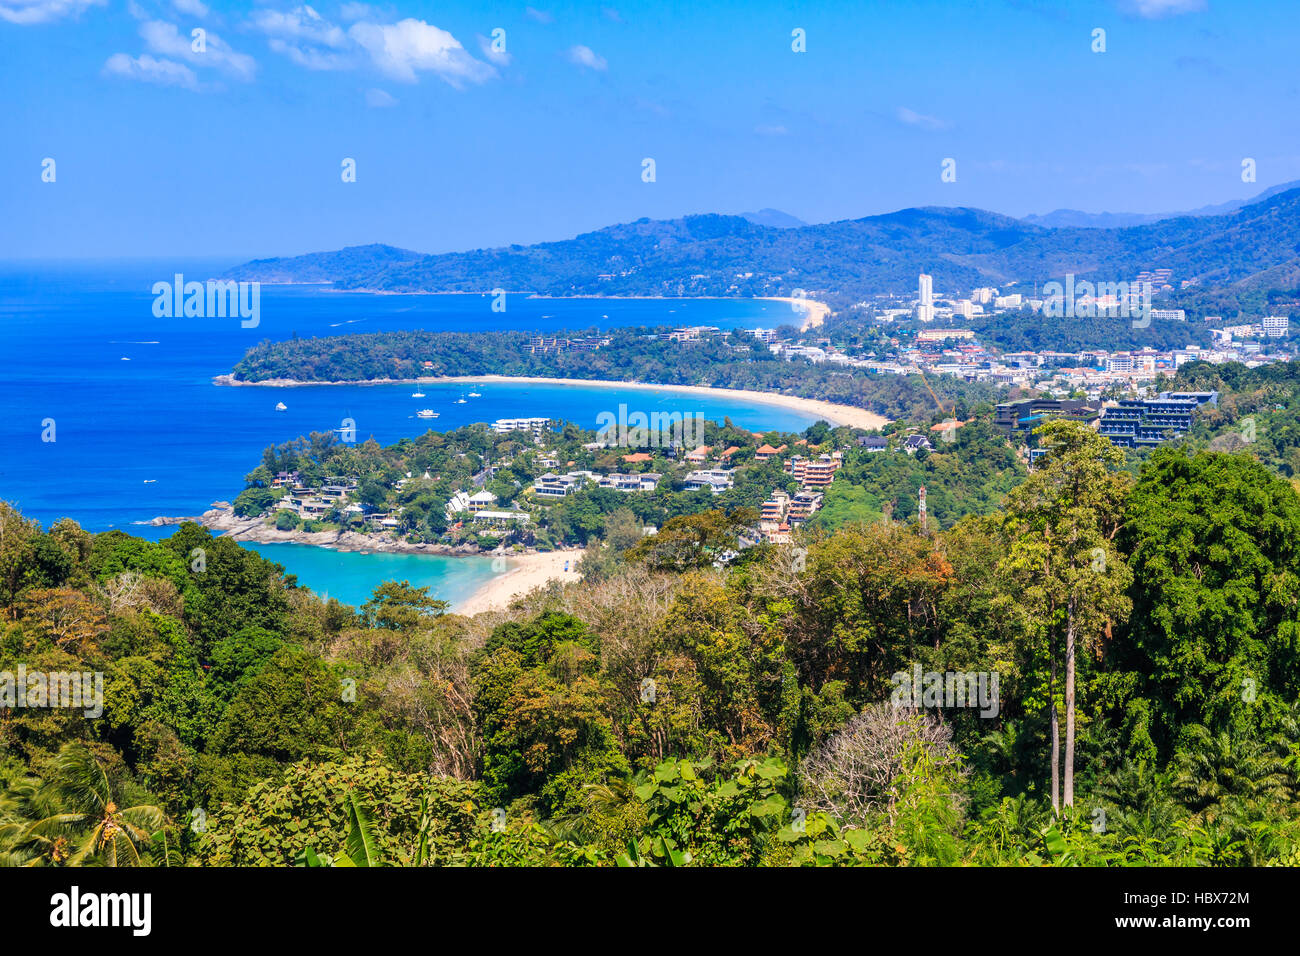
{"points": [[194, 8], [612, 15], [771, 130], [165, 38], [305, 37], [585, 56], [43, 11], [379, 99], [405, 48], [1156, 9], [301, 23], [151, 70], [540, 16], [913, 118], [401, 50]]}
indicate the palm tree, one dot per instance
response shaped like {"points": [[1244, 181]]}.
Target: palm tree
{"points": [[15, 805], [1219, 774], [73, 818]]}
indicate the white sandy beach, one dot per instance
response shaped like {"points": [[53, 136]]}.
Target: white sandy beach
{"points": [[523, 573], [814, 312], [833, 413]]}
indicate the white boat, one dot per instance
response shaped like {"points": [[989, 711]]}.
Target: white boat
{"points": [[475, 395], [461, 401], [426, 413], [281, 407], [417, 394]]}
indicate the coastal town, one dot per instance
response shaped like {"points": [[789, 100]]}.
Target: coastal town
{"points": [[934, 336]]}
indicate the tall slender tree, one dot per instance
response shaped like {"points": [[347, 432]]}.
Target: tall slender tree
{"points": [[1063, 521]]}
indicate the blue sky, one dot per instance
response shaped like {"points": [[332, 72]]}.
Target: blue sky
{"points": [[237, 150]]}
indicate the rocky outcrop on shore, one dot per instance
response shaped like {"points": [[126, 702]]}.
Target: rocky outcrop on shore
{"points": [[230, 525]]}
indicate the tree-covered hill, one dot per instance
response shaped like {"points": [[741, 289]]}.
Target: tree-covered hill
{"points": [[730, 361], [341, 267], [714, 255]]}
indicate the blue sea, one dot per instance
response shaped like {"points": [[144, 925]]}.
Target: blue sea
{"points": [[140, 430]]}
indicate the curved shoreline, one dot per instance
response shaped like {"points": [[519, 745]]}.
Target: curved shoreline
{"points": [[525, 572], [522, 572], [832, 412]]}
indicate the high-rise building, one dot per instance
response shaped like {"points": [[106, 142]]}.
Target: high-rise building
{"points": [[925, 309]]}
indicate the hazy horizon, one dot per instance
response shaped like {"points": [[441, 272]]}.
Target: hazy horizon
{"points": [[240, 257]]}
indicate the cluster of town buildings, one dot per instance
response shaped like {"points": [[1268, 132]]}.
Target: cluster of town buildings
{"points": [[936, 349], [313, 502], [781, 512], [556, 345], [956, 352]]}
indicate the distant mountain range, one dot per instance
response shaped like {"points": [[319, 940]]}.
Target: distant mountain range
{"points": [[773, 217], [1244, 257], [1075, 219]]}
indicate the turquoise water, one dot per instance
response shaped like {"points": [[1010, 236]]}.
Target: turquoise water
{"points": [[140, 430], [351, 576]]}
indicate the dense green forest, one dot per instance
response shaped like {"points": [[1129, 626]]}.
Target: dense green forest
{"points": [[1252, 248], [1258, 410], [1140, 646], [1029, 332], [721, 361]]}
